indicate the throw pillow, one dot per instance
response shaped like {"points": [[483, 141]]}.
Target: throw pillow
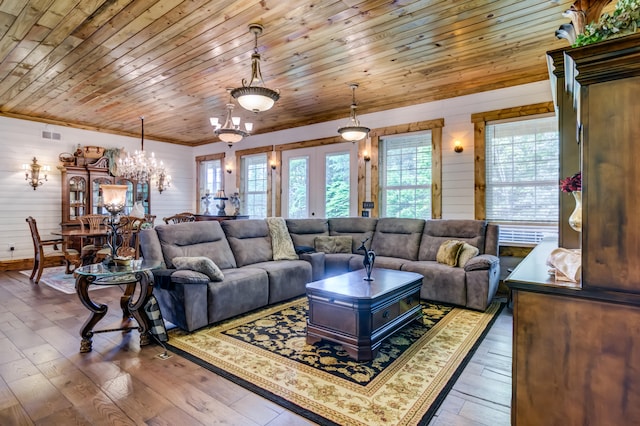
{"points": [[448, 252], [281, 242], [466, 253], [199, 264], [333, 244]]}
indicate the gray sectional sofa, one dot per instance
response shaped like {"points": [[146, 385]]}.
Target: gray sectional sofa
{"points": [[252, 279]]}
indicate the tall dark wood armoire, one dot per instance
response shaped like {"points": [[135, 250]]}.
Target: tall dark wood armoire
{"points": [[576, 348]]}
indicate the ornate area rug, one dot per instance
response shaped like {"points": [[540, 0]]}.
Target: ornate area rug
{"points": [[55, 278], [266, 352]]}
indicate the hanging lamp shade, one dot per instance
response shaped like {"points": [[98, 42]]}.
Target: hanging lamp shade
{"points": [[254, 96], [353, 131], [230, 131]]}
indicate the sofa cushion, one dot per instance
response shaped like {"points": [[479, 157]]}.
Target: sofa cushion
{"points": [[482, 262], [359, 228], [304, 231], [466, 253], [400, 238], [195, 239], [201, 264], [249, 240], [281, 242], [441, 283], [448, 252], [242, 290], [440, 230], [334, 244], [287, 278]]}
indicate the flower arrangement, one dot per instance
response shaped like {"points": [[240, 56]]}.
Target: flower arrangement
{"points": [[571, 183], [625, 19]]}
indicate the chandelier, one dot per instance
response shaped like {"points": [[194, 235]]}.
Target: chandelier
{"points": [[253, 97], [230, 131], [143, 169], [353, 131]]}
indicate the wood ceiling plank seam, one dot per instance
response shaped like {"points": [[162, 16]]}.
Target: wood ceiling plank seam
{"points": [[13, 59], [460, 41], [6, 20], [56, 45], [100, 17], [137, 86], [134, 85], [81, 54], [21, 26], [13, 7]]}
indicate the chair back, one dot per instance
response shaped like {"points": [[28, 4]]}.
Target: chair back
{"points": [[128, 228], [179, 218], [150, 219], [35, 235], [94, 222]]}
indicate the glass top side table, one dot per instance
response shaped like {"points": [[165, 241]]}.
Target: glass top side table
{"points": [[138, 273]]}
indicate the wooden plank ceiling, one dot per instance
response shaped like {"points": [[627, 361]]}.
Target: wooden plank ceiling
{"points": [[101, 64]]}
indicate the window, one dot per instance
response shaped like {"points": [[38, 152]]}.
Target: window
{"points": [[405, 170], [298, 201], [254, 171], [522, 163], [211, 176], [337, 194]]}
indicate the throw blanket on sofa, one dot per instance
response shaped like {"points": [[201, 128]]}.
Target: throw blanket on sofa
{"points": [[281, 242]]}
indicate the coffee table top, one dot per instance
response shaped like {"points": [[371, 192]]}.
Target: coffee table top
{"points": [[353, 283]]}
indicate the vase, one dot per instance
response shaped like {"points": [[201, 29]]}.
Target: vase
{"points": [[575, 220]]}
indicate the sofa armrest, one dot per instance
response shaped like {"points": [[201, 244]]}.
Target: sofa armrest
{"points": [[481, 262], [317, 264], [166, 278]]}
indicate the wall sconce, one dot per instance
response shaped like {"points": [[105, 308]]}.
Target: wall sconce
{"points": [[32, 173], [229, 169], [457, 147], [366, 156], [273, 164]]}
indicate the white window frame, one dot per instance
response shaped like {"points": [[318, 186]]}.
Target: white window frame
{"points": [[247, 196], [392, 141], [528, 231]]}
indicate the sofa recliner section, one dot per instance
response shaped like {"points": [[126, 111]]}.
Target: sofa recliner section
{"points": [[252, 279]]}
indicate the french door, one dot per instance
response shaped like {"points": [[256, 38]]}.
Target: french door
{"points": [[320, 181]]}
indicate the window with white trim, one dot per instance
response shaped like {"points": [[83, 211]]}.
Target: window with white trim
{"points": [[405, 175], [211, 176], [254, 191], [522, 168]]}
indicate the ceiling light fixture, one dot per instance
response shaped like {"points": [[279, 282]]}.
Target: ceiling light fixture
{"points": [[353, 131], [253, 97], [141, 169], [230, 131]]}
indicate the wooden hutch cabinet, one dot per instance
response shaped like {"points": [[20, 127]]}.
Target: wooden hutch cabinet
{"points": [[576, 348], [81, 191]]}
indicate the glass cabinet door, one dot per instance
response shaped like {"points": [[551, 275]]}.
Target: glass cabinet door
{"points": [[77, 197], [96, 195]]}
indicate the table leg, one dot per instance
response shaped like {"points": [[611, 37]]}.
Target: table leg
{"points": [[97, 311], [145, 279]]}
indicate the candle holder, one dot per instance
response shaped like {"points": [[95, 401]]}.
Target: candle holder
{"points": [[114, 198], [206, 200], [220, 195]]}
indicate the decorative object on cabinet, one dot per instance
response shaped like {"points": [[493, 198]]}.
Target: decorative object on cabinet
{"points": [[32, 173], [220, 195], [573, 185], [253, 95], [67, 159], [581, 13], [353, 131], [624, 20], [206, 200], [235, 202], [179, 218]]}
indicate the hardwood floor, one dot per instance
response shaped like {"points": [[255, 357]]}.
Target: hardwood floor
{"points": [[45, 380]]}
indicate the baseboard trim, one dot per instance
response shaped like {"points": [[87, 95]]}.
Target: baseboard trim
{"points": [[25, 264]]}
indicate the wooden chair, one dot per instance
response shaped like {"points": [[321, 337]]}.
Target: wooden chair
{"points": [[179, 218], [150, 219], [128, 230], [41, 255], [94, 252]]}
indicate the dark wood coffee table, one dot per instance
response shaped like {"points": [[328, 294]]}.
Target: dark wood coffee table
{"points": [[360, 314]]}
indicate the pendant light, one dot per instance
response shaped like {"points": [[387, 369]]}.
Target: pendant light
{"points": [[254, 96], [230, 131], [353, 131]]}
